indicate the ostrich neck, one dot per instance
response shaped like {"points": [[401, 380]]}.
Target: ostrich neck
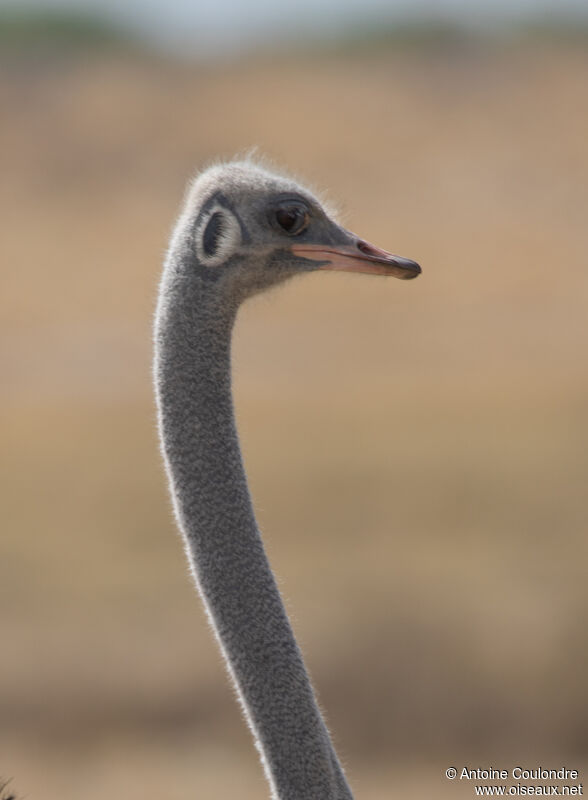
{"points": [[223, 543]]}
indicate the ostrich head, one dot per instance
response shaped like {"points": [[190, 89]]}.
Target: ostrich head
{"points": [[244, 229]]}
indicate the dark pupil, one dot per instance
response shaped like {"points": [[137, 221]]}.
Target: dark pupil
{"points": [[289, 218], [212, 234]]}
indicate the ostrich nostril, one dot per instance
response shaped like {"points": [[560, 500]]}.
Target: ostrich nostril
{"points": [[368, 249]]}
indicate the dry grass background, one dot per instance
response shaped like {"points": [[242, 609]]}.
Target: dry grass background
{"points": [[418, 452]]}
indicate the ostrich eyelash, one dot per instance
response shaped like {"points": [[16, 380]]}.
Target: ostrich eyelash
{"points": [[217, 235], [4, 795]]}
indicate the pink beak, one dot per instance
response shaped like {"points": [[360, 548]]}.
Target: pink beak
{"points": [[358, 257]]}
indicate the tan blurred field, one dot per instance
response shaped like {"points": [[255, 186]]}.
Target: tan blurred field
{"points": [[418, 452]]}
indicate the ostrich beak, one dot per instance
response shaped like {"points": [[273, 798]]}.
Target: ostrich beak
{"points": [[360, 256]]}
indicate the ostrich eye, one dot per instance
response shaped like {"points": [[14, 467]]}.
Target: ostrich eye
{"points": [[292, 219]]}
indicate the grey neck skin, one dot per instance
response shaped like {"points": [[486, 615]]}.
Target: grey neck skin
{"points": [[231, 570]]}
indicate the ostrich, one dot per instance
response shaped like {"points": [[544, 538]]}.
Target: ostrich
{"points": [[243, 229]]}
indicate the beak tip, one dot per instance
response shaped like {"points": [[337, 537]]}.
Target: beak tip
{"points": [[410, 269], [413, 273]]}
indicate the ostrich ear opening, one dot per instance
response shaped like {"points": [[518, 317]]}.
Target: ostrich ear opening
{"points": [[217, 235]]}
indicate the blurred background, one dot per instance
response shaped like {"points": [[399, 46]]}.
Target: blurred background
{"points": [[418, 452]]}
